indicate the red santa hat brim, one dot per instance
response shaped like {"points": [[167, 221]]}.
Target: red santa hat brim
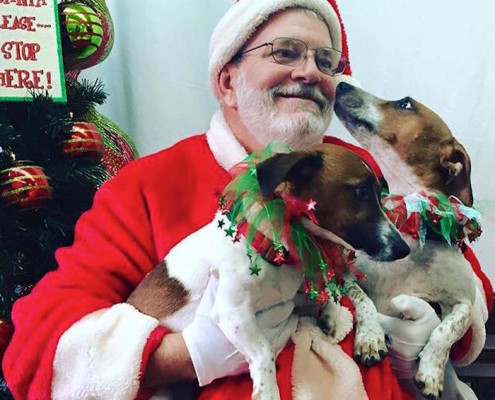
{"points": [[242, 20]]}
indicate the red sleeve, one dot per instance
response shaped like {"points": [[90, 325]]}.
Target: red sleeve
{"points": [[112, 251]]}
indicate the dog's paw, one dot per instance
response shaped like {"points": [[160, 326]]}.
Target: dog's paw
{"points": [[369, 344], [328, 321], [429, 378], [265, 391], [335, 321]]}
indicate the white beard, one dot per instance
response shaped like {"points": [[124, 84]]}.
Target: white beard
{"points": [[303, 126]]}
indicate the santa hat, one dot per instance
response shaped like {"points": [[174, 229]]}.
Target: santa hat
{"points": [[243, 19]]}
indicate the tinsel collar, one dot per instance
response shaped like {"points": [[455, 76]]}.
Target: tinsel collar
{"points": [[434, 215], [279, 219]]}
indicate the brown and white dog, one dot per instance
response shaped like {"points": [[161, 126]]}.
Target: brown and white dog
{"points": [[347, 196], [416, 152]]}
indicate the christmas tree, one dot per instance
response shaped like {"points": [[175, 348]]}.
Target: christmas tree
{"points": [[53, 158]]}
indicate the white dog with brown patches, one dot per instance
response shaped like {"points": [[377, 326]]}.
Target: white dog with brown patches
{"points": [[332, 176], [416, 152]]}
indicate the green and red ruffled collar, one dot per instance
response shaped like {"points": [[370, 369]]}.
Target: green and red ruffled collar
{"points": [[434, 215], [279, 219]]}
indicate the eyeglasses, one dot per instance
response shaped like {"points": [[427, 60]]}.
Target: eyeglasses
{"points": [[293, 52]]}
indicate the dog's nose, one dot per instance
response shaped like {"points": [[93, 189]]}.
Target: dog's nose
{"points": [[344, 87], [400, 249]]}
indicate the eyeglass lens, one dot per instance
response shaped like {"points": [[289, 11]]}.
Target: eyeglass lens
{"points": [[292, 52]]}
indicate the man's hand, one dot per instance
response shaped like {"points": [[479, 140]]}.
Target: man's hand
{"points": [[212, 354], [408, 336]]}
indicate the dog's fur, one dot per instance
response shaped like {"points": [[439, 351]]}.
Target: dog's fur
{"points": [[332, 176], [415, 151]]}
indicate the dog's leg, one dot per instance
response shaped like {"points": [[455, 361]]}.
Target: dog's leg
{"points": [[430, 375], [369, 342], [329, 318], [236, 318]]}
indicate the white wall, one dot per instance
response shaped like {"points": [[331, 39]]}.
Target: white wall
{"points": [[440, 52]]}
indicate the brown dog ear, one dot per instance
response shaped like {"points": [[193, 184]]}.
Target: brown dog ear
{"points": [[296, 168], [456, 166]]}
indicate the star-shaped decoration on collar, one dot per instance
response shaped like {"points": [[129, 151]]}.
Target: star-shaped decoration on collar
{"points": [[311, 205], [279, 258], [255, 270], [221, 223], [229, 231], [253, 171], [237, 237]]}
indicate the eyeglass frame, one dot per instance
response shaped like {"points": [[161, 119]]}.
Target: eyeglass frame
{"points": [[239, 55]]}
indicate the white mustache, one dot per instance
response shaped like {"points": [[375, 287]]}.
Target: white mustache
{"points": [[303, 91]]}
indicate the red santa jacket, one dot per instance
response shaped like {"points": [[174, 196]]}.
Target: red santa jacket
{"points": [[74, 322]]}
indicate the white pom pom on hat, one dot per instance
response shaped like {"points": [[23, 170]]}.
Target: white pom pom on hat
{"points": [[241, 21]]}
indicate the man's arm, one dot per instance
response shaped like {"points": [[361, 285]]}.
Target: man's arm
{"points": [[170, 362]]}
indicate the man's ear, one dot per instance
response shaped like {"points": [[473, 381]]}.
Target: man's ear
{"points": [[296, 168], [456, 169], [226, 90]]}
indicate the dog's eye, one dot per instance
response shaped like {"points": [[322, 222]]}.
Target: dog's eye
{"points": [[363, 193], [404, 104]]}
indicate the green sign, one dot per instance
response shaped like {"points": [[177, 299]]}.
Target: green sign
{"points": [[30, 50]]}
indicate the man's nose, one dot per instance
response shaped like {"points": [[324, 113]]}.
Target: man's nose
{"points": [[307, 71]]}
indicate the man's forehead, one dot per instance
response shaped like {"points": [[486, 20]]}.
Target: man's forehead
{"points": [[296, 23]]}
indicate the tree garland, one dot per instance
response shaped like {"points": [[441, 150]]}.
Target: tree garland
{"points": [[421, 214], [279, 218]]}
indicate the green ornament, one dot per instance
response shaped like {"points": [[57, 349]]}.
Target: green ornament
{"points": [[82, 30]]}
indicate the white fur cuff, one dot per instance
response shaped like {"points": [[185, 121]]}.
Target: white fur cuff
{"points": [[99, 357]]}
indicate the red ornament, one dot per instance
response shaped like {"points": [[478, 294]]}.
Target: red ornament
{"points": [[84, 141], [24, 185]]}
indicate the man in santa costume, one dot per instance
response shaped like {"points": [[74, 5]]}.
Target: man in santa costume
{"points": [[273, 66]]}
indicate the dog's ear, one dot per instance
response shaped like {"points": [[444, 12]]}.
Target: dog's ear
{"points": [[296, 168], [456, 166]]}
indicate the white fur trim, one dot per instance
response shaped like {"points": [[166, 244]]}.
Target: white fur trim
{"points": [[241, 21], [99, 357], [223, 144], [321, 369]]}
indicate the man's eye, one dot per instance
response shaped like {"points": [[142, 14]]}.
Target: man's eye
{"points": [[404, 104], [325, 63], [363, 193], [286, 54]]}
